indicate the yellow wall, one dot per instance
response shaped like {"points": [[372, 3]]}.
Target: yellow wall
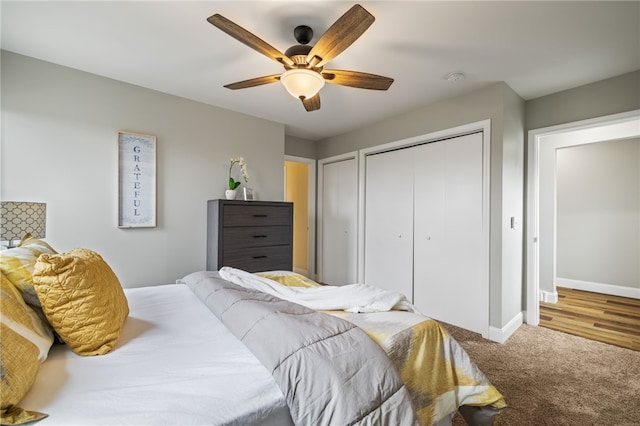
{"points": [[297, 191]]}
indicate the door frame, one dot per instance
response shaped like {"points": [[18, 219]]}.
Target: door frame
{"points": [[311, 220], [591, 131]]}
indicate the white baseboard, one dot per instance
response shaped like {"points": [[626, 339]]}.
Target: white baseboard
{"points": [[615, 290], [501, 335], [549, 296]]}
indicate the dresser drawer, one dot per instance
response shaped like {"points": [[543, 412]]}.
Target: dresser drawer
{"points": [[258, 259], [250, 235], [255, 236], [256, 215]]}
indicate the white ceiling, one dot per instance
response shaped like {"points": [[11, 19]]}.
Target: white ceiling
{"points": [[536, 47]]}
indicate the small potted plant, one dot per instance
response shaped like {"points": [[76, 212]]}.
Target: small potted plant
{"points": [[231, 192]]}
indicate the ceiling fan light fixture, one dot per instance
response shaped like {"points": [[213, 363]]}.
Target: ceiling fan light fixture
{"points": [[305, 74], [302, 83]]}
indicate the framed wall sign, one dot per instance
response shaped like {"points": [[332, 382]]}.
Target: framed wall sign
{"points": [[136, 180]]}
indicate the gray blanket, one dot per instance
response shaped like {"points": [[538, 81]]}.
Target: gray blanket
{"points": [[329, 370]]}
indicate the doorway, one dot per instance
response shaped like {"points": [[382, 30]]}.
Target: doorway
{"points": [[300, 189], [541, 244]]}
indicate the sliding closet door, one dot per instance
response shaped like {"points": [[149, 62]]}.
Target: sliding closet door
{"points": [[388, 257], [449, 279], [339, 222]]}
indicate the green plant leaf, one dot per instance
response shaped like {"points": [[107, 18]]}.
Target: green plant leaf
{"points": [[233, 184]]}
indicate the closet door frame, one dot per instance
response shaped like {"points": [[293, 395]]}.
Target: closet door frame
{"points": [[320, 231], [485, 127]]}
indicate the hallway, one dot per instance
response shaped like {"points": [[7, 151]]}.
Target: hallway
{"points": [[605, 318]]}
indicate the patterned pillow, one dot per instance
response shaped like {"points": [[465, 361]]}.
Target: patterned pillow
{"points": [[26, 341], [82, 299], [17, 265], [288, 278]]}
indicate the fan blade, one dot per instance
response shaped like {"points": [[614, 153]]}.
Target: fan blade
{"points": [[347, 29], [361, 80], [312, 104], [258, 81], [251, 40]]}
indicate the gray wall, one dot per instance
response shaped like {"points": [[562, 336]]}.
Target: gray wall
{"points": [[59, 147], [513, 152], [606, 97], [299, 147], [477, 106], [598, 213]]}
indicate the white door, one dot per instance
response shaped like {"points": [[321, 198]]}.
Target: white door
{"points": [[449, 281], [388, 253], [339, 222]]}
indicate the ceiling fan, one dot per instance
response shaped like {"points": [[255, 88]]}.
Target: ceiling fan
{"points": [[304, 73]]}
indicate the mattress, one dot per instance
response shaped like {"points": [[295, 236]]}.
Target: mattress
{"points": [[175, 363]]}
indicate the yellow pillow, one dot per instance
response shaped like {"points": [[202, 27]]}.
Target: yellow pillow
{"points": [[82, 299], [25, 344], [17, 265], [288, 278]]}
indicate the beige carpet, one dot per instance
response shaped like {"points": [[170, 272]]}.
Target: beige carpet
{"points": [[552, 378]]}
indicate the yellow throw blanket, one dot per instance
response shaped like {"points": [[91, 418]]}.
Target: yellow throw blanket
{"points": [[437, 371]]}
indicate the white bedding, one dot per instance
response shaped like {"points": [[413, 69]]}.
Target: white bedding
{"points": [[355, 298], [175, 363]]}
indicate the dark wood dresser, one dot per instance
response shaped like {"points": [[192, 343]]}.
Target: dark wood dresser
{"points": [[250, 235]]}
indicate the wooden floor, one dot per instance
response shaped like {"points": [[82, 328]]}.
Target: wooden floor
{"points": [[609, 319]]}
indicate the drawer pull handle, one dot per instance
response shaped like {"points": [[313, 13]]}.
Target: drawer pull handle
{"points": [[259, 236], [259, 215], [259, 257]]}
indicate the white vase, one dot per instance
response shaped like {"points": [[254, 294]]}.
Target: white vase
{"points": [[230, 194]]}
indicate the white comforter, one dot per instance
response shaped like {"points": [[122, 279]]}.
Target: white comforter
{"points": [[351, 298]]}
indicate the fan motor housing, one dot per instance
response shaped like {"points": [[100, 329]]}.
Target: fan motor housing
{"points": [[298, 50], [298, 53]]}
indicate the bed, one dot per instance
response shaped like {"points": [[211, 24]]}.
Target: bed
{"points": [[211, 350], [174, 363]]}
